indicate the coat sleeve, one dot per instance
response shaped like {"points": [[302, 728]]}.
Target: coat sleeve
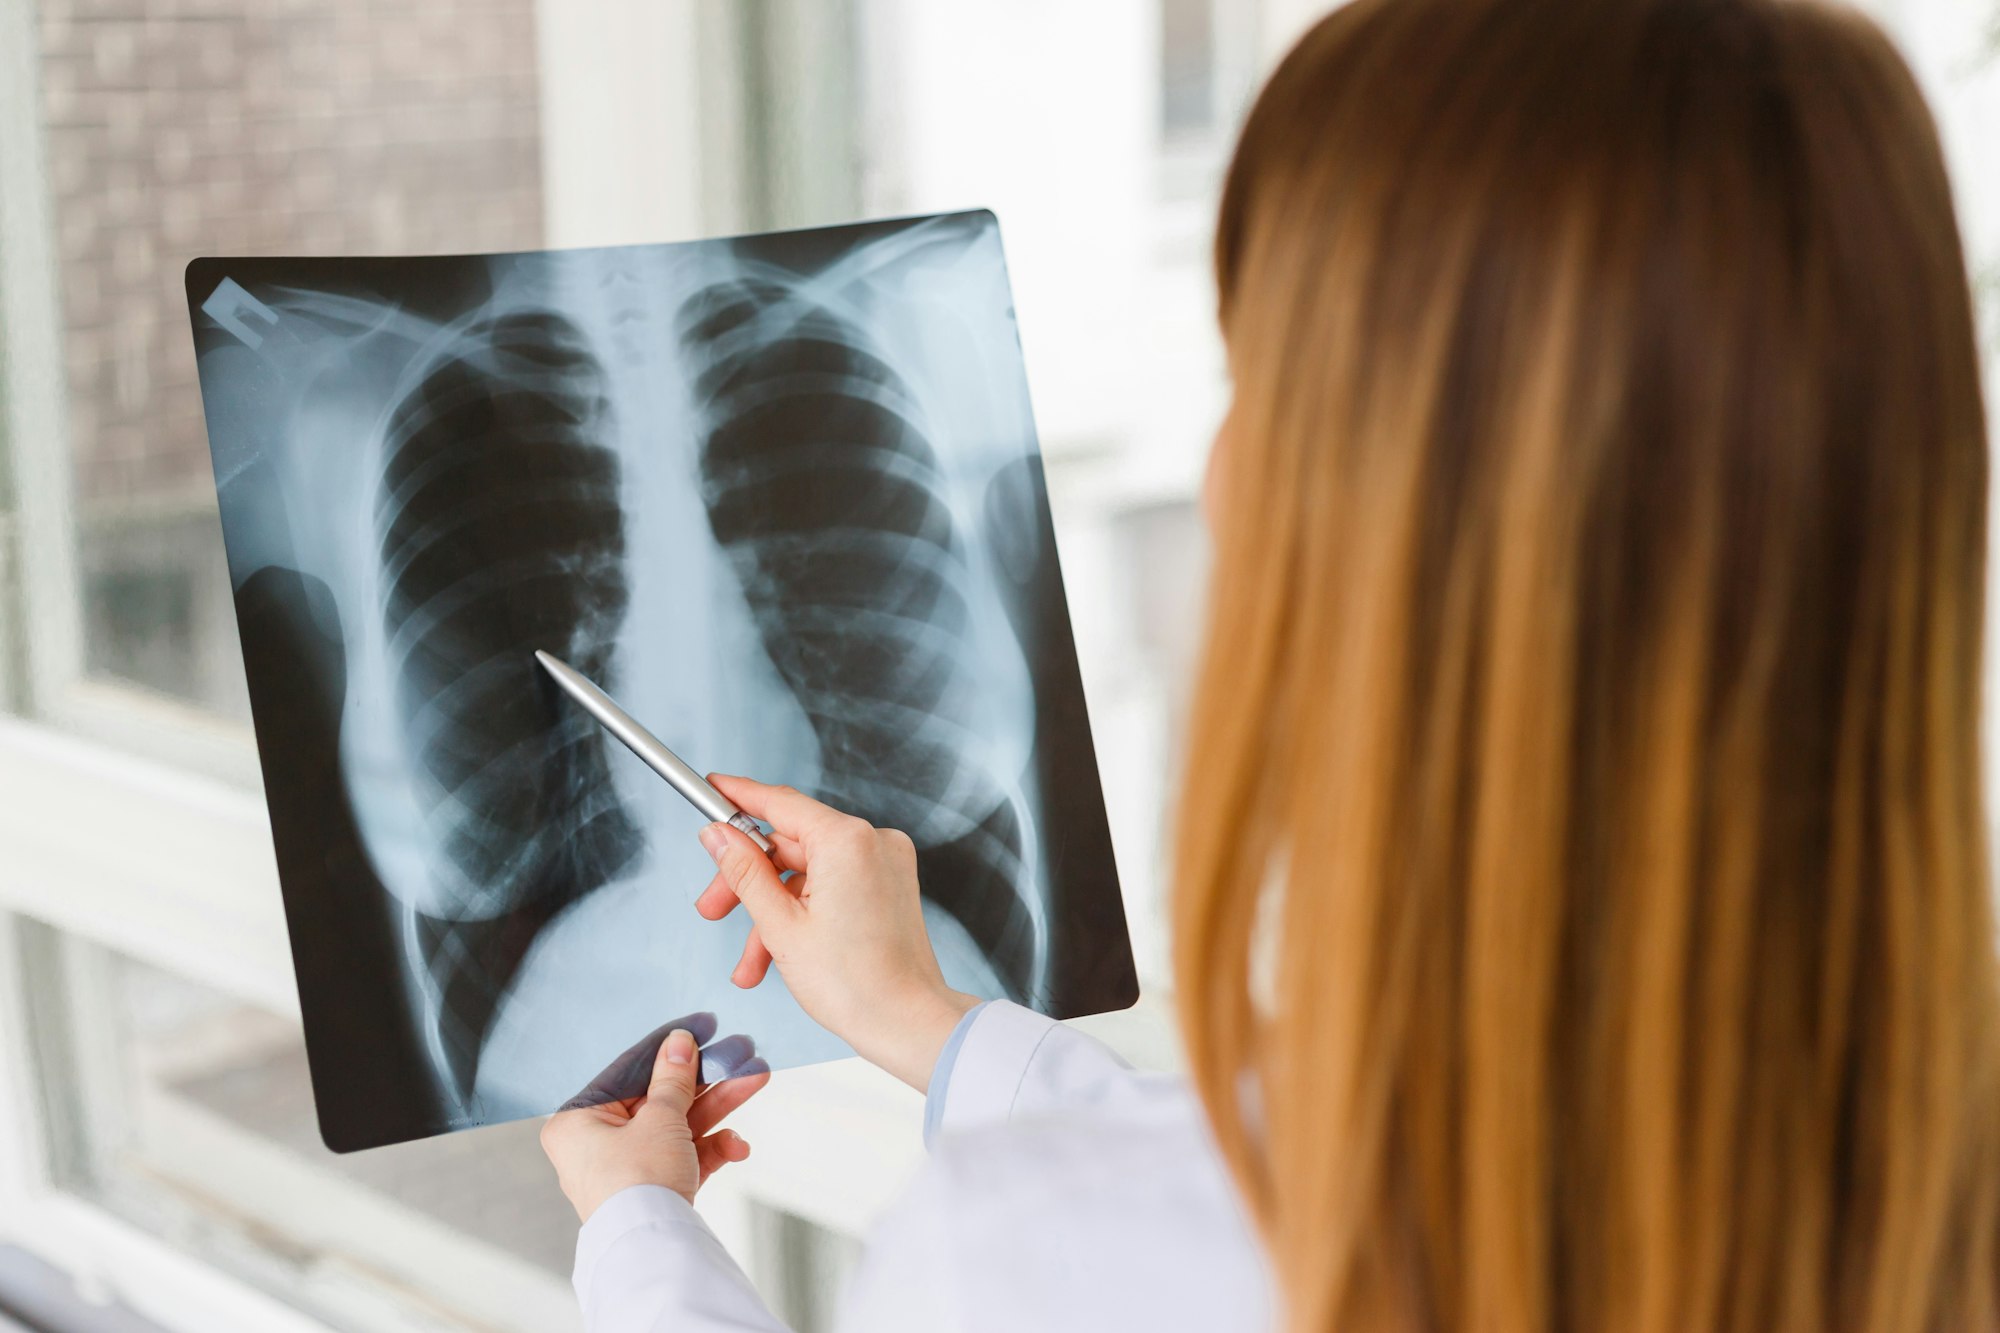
{"points": [[647, 1263], [1005, 1062], [1002, 1063]]}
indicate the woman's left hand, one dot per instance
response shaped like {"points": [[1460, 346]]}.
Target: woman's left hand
{"points": [[666, 1137]]}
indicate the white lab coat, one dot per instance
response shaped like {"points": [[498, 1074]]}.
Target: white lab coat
{"points": [[1064, 1191]]}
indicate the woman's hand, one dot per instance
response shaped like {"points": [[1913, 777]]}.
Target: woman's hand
{"points": [[846, 931], [666, 1137]]}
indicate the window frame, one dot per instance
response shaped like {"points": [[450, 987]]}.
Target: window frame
{"points": [[106, 1256]]}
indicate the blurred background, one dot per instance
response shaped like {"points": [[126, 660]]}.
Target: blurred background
{"points": [[159, 1166]]}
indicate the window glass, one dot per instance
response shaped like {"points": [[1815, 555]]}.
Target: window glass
{"points": [[237, 126], [1188, 58], [190, 1113]]}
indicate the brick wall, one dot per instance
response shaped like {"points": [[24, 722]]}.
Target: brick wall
{"points": [[186, 127]]}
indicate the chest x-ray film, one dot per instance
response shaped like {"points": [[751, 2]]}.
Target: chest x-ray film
{"points": [[780, 495]]}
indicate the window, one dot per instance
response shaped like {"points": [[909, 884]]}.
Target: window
{"points": [[155, 1134], [1187, 67], [330, 128], [199, 1127]]}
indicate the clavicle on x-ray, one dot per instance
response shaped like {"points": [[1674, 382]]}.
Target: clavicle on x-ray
{"points": [[781, 495]]}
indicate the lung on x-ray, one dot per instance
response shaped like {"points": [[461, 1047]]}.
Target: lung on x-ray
{"points": [[781, 495]]}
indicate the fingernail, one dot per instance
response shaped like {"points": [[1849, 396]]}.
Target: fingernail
{"points": [[680, 1047], [715, 841]]}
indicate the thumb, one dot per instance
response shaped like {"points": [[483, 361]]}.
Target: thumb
{"points": [[674, 1073], [750, 876]]}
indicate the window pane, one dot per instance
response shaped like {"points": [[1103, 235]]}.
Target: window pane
{"points": [[197, 1122], [239, 126], [1187, 66]]}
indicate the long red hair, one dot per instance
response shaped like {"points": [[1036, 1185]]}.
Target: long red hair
{"points": [[1582, 918]]}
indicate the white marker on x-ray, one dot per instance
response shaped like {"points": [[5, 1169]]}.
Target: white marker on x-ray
{"points": [[648, 747]]}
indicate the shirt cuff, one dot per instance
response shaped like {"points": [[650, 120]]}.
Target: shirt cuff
{"points": [[629, 1210], [941, 1072], [979, 1073]]}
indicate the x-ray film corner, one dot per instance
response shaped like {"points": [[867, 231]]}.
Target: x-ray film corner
{"points": [[782, 494]]}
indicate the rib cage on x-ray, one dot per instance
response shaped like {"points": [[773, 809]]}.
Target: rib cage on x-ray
{"points": [[823, 487], [780, 494], [500, 532]]}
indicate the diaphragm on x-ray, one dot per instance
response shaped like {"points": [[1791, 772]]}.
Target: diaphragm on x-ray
{"points": [[781, 495]]}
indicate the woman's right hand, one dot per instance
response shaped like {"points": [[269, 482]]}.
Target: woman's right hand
{"points": [[846, 931]]}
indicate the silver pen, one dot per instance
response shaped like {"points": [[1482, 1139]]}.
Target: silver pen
{"points": [[690, 784]]}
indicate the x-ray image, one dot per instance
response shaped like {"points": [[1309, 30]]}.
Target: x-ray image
{"points": [[781, 496]]}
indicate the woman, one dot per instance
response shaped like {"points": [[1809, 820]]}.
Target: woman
{"points": [[1582, 915]]}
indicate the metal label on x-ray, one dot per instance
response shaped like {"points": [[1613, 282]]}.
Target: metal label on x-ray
{"points": [[781, 495]]}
